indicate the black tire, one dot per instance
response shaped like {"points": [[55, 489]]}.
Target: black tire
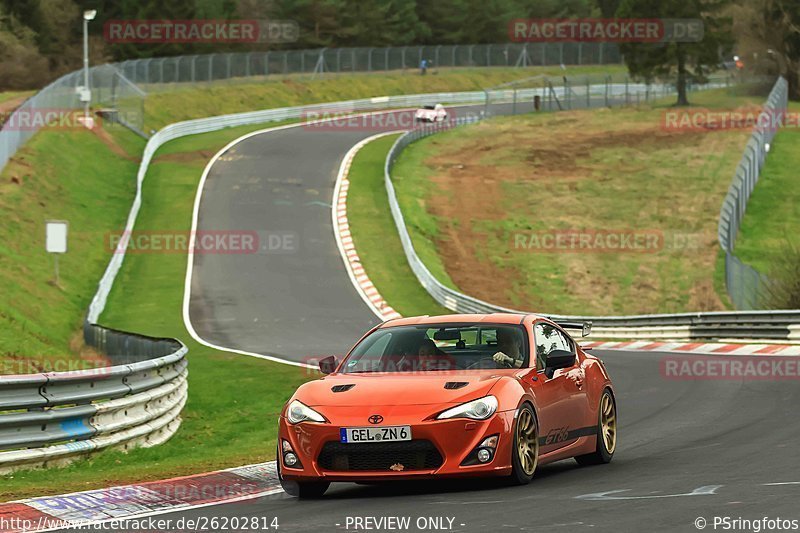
{"points": [[303, 490], [602, 453], [524, 463]]}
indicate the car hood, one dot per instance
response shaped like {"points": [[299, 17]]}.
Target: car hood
{"points": [[398, 388]]}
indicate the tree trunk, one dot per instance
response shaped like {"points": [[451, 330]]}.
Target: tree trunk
{"points": [[793, 77], [681, 83]]}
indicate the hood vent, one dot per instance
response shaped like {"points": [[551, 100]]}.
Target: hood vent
{"points": [[452, 385], [342, 388]]}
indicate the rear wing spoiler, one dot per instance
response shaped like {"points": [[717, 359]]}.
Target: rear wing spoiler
{"points": [[584, 327]]}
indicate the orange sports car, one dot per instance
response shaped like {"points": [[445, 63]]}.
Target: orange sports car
{"points": [[448, 396]]}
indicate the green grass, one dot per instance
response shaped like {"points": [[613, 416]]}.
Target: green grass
{"points": [[67, 175], [773, 212], [375, 236], [466, 192], [184, 102], [13, 95], [230, 418]]}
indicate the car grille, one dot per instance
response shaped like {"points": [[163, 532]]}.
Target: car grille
{"points": [[380, 456]]}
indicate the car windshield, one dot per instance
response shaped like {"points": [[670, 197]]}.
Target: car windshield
{"points": [[439, 347], [429, 107]]}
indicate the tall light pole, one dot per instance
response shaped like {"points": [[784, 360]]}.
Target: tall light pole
{"points": [[86, 96]]}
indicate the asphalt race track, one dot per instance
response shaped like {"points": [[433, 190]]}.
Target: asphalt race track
{"points": [[293, 299], [726, 441], [687, 449]]}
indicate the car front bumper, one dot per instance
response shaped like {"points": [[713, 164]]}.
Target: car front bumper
{"points": [[454, 440]]}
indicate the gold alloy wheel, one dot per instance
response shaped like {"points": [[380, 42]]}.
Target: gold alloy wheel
{"points": [[527, 442], [608, 422]]}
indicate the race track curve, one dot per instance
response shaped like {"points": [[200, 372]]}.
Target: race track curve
{"points": [[688, 449]]}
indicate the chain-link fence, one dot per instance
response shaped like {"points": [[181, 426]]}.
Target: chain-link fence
{"points": [[119, 85], [213, 67], [746, 286], [557, 93], [52, 105]]}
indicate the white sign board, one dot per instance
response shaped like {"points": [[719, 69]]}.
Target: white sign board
{"points": [[56, 242]]}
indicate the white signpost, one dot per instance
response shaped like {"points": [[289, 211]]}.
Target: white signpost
{"points": [[56, 239]]}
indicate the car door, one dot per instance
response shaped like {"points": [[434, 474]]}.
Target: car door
{"points": [[561, 399]]}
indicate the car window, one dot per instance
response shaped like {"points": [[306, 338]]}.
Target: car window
{"points": [[549, 338], [438, 347]]}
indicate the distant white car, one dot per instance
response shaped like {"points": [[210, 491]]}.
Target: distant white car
{"points": [[431, 113]]}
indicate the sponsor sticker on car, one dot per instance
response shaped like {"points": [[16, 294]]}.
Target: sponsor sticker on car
{"points": [[375, 434]]}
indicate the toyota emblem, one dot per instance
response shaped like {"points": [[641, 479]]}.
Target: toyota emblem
{"points": [[375, 419]]}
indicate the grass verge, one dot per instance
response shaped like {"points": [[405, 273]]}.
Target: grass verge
{"points": [[468, 194], [230, 418], [184, 102], [67, 175], [375, 236], [773, 212]]}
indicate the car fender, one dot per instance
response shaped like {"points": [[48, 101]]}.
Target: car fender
{"points": [[596, 380], [511, 394]]}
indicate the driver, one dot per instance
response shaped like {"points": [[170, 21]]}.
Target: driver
{"points": [[432, 358], [508, 353]]}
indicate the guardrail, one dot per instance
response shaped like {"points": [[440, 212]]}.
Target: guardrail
{"points": [[752, 326], [744, 283], [52, 418]]}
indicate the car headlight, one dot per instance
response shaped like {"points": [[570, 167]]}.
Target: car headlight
{"points": [[300, 412], [479, 409]]}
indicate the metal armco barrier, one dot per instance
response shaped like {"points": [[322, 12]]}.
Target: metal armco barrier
{"points": [[783, 326], [52, 418], [743, 282]]}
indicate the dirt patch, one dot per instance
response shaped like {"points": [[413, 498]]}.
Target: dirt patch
{"points": [[471, 193], [10, 105], [187, 157], [112, 144]]}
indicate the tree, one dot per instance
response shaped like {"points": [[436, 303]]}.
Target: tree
{"points": [[770, 30], [684, 60]]}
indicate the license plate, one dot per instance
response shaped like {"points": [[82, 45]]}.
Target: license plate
{"points": [[375, 434]]}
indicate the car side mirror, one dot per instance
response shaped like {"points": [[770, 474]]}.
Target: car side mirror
{"points": [[328, 365], [558, 359]]}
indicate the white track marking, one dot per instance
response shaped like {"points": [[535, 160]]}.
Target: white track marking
{"points": [[187, 290], [361, 280], [707, 490]]}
